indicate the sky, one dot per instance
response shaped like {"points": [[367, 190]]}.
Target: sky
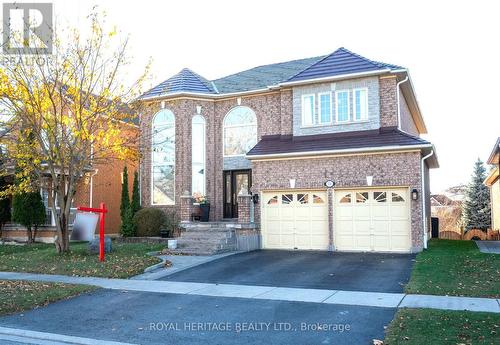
{"points": [[450, 47]]}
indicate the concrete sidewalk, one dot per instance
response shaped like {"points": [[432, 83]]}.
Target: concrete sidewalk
{"points": [[489, 247], [372, 299]]}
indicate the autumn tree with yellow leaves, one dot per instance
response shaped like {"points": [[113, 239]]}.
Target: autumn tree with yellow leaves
{"points": [[65, 115]]}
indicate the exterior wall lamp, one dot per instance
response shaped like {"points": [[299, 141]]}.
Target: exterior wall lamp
{"points": [[414, 194]]}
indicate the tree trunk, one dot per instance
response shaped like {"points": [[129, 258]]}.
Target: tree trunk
{"points": [[30, 235], [62, 239], [35, 229]]}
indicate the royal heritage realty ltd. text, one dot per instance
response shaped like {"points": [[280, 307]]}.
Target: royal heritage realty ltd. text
{"points": [[240, 327]]}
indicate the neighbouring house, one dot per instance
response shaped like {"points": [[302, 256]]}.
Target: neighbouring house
{"points": [[329, 147], [448, 209], [493, 182], [102, 183]]}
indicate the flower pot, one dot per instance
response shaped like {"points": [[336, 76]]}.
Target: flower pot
{"points": [[172, 244], [205, 212]]}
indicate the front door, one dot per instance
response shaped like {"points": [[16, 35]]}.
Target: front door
{"points": [[234, 182]]}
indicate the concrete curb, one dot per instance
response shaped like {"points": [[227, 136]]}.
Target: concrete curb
{"points": [[155, 266], [21, 335], [158, 271]]}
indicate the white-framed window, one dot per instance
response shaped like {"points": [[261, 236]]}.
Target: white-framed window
{"points": [[360, 104], [325, 107], [342, 106], [198, 155], [240, 131], [163, 158], [308, 111]]}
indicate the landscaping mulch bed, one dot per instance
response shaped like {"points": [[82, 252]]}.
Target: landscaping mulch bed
{"points": [[17, 296], [456, 268]]}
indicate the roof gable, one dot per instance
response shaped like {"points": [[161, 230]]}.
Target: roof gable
{"points": [[184, 81], [340, 62]]}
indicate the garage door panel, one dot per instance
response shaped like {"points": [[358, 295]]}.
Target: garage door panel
{"points": [[343, 212], [318, 227], [375, 220], [362, 242], [302, 217], [380, 211], [361, 212], [399, 211]]}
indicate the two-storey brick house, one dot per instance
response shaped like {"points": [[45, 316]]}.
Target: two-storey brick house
{"points": [[330, 145]]}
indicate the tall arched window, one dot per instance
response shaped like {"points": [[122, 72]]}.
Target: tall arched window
{"points": [[198, 155], [163, 158], [240, 131]]}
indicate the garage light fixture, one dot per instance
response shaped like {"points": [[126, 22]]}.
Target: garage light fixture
{"points": [[292, 183], [414, 194], [329, 184]]}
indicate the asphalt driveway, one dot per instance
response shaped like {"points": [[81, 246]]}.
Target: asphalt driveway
{"points": [[375, 272], [154, 318]]}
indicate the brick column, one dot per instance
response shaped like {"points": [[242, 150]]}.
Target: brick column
{"points": [[244, 205], [186, 209]]}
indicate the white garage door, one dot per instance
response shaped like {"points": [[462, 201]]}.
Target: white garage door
{"points": [[372, 220], [295, 220]]}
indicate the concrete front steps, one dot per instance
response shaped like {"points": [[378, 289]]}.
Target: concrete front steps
{"points": [[207, 238]]}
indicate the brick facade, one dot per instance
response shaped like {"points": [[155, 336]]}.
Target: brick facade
{"points": [[268, 109], [388, 101], [274, 111], [388, 170], [244, 208]]}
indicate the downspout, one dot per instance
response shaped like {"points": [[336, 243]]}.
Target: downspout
{"points": [[397, 98], [424, 209]]}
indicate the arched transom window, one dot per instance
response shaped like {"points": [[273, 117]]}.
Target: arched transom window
{"points": [[163, 158], [240, 131]]}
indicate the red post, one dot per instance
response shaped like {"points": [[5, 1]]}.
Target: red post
{"points": [[101, 231], [102, 214]]}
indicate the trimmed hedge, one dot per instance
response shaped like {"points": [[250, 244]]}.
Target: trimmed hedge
{"points": [[149, 221]]}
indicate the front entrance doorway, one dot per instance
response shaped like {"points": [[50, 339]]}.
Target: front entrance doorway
{"points": [[234, 182]]}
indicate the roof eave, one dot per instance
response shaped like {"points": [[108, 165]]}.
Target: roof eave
{"points": [[334, 78], [203, 95], [492, 177], [494, 157], [342, 151]]}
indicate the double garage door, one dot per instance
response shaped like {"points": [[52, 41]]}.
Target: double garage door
{"points": [[364, 220]]}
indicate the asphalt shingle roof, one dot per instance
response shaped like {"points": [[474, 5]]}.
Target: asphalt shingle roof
{"points": [[341, 61], [184, 81], [384, 137], [263, 76]]}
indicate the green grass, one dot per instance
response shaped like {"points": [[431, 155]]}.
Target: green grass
{"points": [[442, 327], [17, 296], [126, 260], [455, 268]]}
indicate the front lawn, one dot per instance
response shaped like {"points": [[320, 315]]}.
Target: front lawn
{"points": [[442, 327], [17, 296], [455, 268], [126, 260]]}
